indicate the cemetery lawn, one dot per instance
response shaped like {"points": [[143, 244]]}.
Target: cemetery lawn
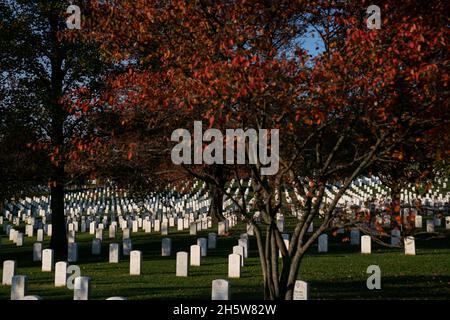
{"points": [[338, 274]]}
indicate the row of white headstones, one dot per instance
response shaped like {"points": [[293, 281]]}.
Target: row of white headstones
{"points": [[236, 259], [87, 201], [82, 284], [220, 287], [235, 262]]}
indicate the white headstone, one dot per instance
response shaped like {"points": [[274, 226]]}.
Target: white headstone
{"points": [[82, 288], [234, 265], [244, 243], [71, 237], [47, 260], [157, 225], [19, 239], [135, 262], [447, 222], [240, 251], [60, 274], [418, 221], [92, 226], [193, 229], [29, 230], [112, 232], [49, 230], [220, 290], [113, 253], [135, 226], [366, 244], [410, 247], [40, 235], [195, 255], [300, 290], [182, 264], [164, 228], [221, 228], [125, 234], [9, 271], [99, 233]]}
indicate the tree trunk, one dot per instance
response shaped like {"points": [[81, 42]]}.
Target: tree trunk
{"points": [[292, 277], [59, 238], [58, 114], [216, 207]]}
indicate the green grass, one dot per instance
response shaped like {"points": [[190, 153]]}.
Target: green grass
{"points": [[338, 274]]}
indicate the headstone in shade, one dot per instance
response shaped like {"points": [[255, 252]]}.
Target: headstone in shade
{"points": [[203, 243], [72, 255], [212, 240], [166, 247], [96, 246], [354, 237], [323, 243], [193, 229], [18, 287], [82, 288], [395, 237], [37, 251], [127, 246]]}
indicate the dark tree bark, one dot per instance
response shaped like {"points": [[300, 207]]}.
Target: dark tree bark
{"points": [[216, 190], [59, 240], [58, 115]]}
